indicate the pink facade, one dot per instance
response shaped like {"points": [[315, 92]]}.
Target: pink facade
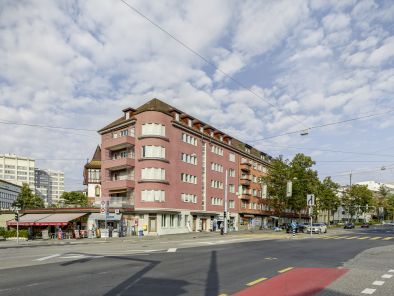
{"points": [[173, 166]]}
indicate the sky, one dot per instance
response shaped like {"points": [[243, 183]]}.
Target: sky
{"points": [[253, 69]]}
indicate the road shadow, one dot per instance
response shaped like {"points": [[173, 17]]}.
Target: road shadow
{"points": [[212, 281]]}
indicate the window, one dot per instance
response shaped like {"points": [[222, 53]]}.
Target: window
{"points": [[153, 195], [189, 158], [153, 151], [216, 201], [231, 188], [254, 192], [153, 129], [172, 220], [177, 116], [247, 150], [186, 219], [164, 220], [231, 172], [153, 174], [231, 157], [189, 139], [231, 204], [179, 220], [217, 150], [216, 184], [189, 198], [124, 133], [188, 178], [216, 167]]}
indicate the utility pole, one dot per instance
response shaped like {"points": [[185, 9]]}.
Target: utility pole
{"points": [[225, 203]]}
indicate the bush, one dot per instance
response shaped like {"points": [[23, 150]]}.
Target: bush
{"points": [[12, 233]]}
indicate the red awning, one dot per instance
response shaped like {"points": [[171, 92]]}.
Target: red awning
{"points": [[60, 219], [27, 220]]}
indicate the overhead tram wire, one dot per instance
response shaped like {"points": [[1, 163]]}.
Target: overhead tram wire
{"points": [[206, 60], [47, 126], [323, 125]]}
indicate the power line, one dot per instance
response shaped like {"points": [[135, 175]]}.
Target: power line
{"points": [[205, 59], [47, 126], [322, 125], [328, 150]]}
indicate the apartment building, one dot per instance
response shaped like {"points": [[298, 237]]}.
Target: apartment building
{"points": [[8, 194], [49, 185], [170, 168], [17, 169], [92, 178]]}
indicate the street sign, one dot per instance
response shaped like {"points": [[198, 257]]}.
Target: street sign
{"points": [[104, 207], [310, 200]]}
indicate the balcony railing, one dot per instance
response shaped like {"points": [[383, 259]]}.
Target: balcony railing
{"points": [[118, 143], [245, 196], [118, 164], [245, 182], [245, 166]]}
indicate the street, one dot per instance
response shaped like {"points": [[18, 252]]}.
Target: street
{"points": [[205, 266]]}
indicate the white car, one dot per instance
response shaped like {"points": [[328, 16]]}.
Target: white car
{"points": [[316, 228]]}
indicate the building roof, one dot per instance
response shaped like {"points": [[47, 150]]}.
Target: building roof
{"points": [[95, 163], [160, 106]]}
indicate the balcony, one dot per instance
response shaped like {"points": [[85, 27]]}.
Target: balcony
{"points": [[245, 196], [244, 182], [113, 144], [245, 166], [118, 184], [119, 164]]}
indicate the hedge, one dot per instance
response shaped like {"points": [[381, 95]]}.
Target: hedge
{"points": [[12, 233]]}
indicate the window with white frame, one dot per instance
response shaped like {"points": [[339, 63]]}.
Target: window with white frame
{"points": [[217, 150], [189, 158], [188, 178], [231, 157], [153, 151], [216, 184], [153, 195], [189, 198], [164, 220], [153, 174], [216, 167], [216, 201], [189, 139], [231, 172], [153, 129], [231, 204], [231, 188], [179, 220], [172, 220], [254, 192]]}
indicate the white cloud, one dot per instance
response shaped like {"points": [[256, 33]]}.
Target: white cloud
{"points": [[335, 22]]}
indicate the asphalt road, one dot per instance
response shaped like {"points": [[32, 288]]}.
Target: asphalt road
{"points": [[211, 268]]}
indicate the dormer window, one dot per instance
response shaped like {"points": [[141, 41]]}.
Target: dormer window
{"points": [[201, 129], [211, 134], [177, 116], [221, 138], [189, 122]]}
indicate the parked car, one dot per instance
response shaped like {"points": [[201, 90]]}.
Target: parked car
{"points": [[348, 226], [365, 225], [289, 228], [323, 227], [315, 228]]}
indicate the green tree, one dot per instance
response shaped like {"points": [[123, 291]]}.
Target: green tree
{"points": [[327, 197], [356, 198], [74, 198], [305, 181], [390, 205], [27, 200], [276, 181]]}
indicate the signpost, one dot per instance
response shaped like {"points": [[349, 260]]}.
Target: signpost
{"points": [[310, 202]]}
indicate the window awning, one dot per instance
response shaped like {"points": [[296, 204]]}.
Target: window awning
{"points": [[28, 219], [60, 219], [110, 217]]}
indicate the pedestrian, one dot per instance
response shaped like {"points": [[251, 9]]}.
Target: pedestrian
{"points": [[60, 234]]}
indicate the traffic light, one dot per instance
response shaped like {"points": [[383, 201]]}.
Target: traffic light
{"points": [[16, 217]]}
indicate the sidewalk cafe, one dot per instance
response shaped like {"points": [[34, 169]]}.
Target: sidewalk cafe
{"points": [[57, 225]]}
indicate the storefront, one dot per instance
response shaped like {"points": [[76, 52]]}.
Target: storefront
{"points": [[111, 225]]}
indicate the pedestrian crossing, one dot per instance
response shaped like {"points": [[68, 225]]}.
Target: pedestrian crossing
{"points": [[374, 238]]}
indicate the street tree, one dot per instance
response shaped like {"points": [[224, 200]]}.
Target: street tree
{"points": [[305, 181], [276, 181], [74, 198], [390, 205], [27, 200], [327, 197], [356, 198]]}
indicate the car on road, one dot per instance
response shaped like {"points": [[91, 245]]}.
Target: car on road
{"points": [[323, 227], [348, 226], [315, 228], [365, 225]]}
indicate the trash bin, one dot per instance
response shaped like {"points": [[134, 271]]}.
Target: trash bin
{"points": [[140, 233]]}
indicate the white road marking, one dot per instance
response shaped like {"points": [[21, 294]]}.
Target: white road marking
{"points": [[387, 276], [72, 257], [47, 257], [378, 283], [391, 270], [171, 250], [368, 291]]}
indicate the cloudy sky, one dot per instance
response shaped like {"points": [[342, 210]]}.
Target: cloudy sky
{"points": [[77, 64]]}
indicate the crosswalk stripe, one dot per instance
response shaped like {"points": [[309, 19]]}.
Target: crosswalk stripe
{"points": [[364, 237], [352, 237], [376, 237], [388, 238], [341, 237]]}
